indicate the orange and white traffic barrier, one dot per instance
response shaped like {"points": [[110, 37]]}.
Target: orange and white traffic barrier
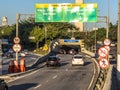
{"points": [[22, 65], [11, 67], [16, 66]]}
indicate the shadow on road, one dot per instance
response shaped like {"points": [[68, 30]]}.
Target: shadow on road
{"points": [[87, 63], [22, 86]]}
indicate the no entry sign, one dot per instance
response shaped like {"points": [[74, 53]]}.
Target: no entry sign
{"points": [[103, 63]]}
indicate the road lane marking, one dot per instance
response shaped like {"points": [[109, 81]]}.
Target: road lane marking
{"points": [[37, 86], [54, 76], [47, 81], [66, 69]]}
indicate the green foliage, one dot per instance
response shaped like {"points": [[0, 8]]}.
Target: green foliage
{"points": [[53, 31]]}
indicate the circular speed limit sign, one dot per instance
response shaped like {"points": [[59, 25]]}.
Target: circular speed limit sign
{"points": [[17, 47], [107, 42]]}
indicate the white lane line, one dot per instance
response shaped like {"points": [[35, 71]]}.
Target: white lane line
{"points": [[47, 81], [37, 86], [54, 77]]}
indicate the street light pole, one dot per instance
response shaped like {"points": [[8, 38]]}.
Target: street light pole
{"points": [[107, 26], [45, 34], [118, 43], [108, 19], [17, 21]]}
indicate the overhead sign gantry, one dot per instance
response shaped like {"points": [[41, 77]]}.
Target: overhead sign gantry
{"points": [[66, 12]]}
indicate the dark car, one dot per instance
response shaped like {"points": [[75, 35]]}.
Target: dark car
{"points": [[53, 61], [9, 55], [3, 85]]}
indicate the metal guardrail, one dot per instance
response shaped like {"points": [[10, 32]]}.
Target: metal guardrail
{"points": [[101, 79]]}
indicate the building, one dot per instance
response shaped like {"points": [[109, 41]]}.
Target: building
{"points": [[79, 25], [4, 21]]}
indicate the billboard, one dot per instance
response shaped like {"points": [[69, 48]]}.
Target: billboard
{"points": [[66, 12]]}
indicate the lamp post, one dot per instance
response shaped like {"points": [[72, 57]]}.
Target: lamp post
{"points": [[107, 23], [107, 36], [95, 28], [17, 21], [45, 35]]}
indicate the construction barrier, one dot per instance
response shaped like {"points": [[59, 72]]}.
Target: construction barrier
{"points": [[22, 65], [16, 66], [11, 67]]}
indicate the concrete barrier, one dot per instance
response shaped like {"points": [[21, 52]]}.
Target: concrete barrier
{"points": [[108, 81]]}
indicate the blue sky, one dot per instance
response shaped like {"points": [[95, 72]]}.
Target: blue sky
{"points": [[10, 8]]}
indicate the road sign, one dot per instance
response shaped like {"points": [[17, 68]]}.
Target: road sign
{"points": [[107, 42], [16, 40], [66, 12], [103, 52], [71, 40], [45, 48], [107, 47], [103, 63], [17, 47]]}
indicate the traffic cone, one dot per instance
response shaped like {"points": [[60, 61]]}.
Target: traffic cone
{"points": [[22, 65], [16, 66], [11, 67]]}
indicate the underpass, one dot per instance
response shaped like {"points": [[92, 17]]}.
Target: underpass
{"points": [[65, 46]]}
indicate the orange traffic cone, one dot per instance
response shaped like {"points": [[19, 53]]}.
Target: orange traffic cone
{"points": [[22, 65], [11, 67], [16, 66]]}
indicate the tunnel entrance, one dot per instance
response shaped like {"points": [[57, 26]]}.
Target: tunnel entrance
{"points": [[70, 49]]}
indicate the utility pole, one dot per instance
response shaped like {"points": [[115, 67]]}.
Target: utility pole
{"points": [[118, 43]]}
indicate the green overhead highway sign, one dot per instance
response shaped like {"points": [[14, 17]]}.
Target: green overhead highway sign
{"points": [[66, 12]]}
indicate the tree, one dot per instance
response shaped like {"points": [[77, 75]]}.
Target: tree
{"points": [[38, 34]]}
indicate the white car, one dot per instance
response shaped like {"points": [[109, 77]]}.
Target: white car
{"points": [[22, 54], [25, 51], [78, 60]]}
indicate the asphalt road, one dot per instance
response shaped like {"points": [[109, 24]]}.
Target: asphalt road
{"points": [[65, 77]]}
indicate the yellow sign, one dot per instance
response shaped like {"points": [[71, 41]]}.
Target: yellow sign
{"points": [[45, 48]]}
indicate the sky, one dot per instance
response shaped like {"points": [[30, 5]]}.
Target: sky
{"points": [[9, 8]]}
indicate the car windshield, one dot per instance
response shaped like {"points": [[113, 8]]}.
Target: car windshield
{"points": [[52, 58], [77, 56]]}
